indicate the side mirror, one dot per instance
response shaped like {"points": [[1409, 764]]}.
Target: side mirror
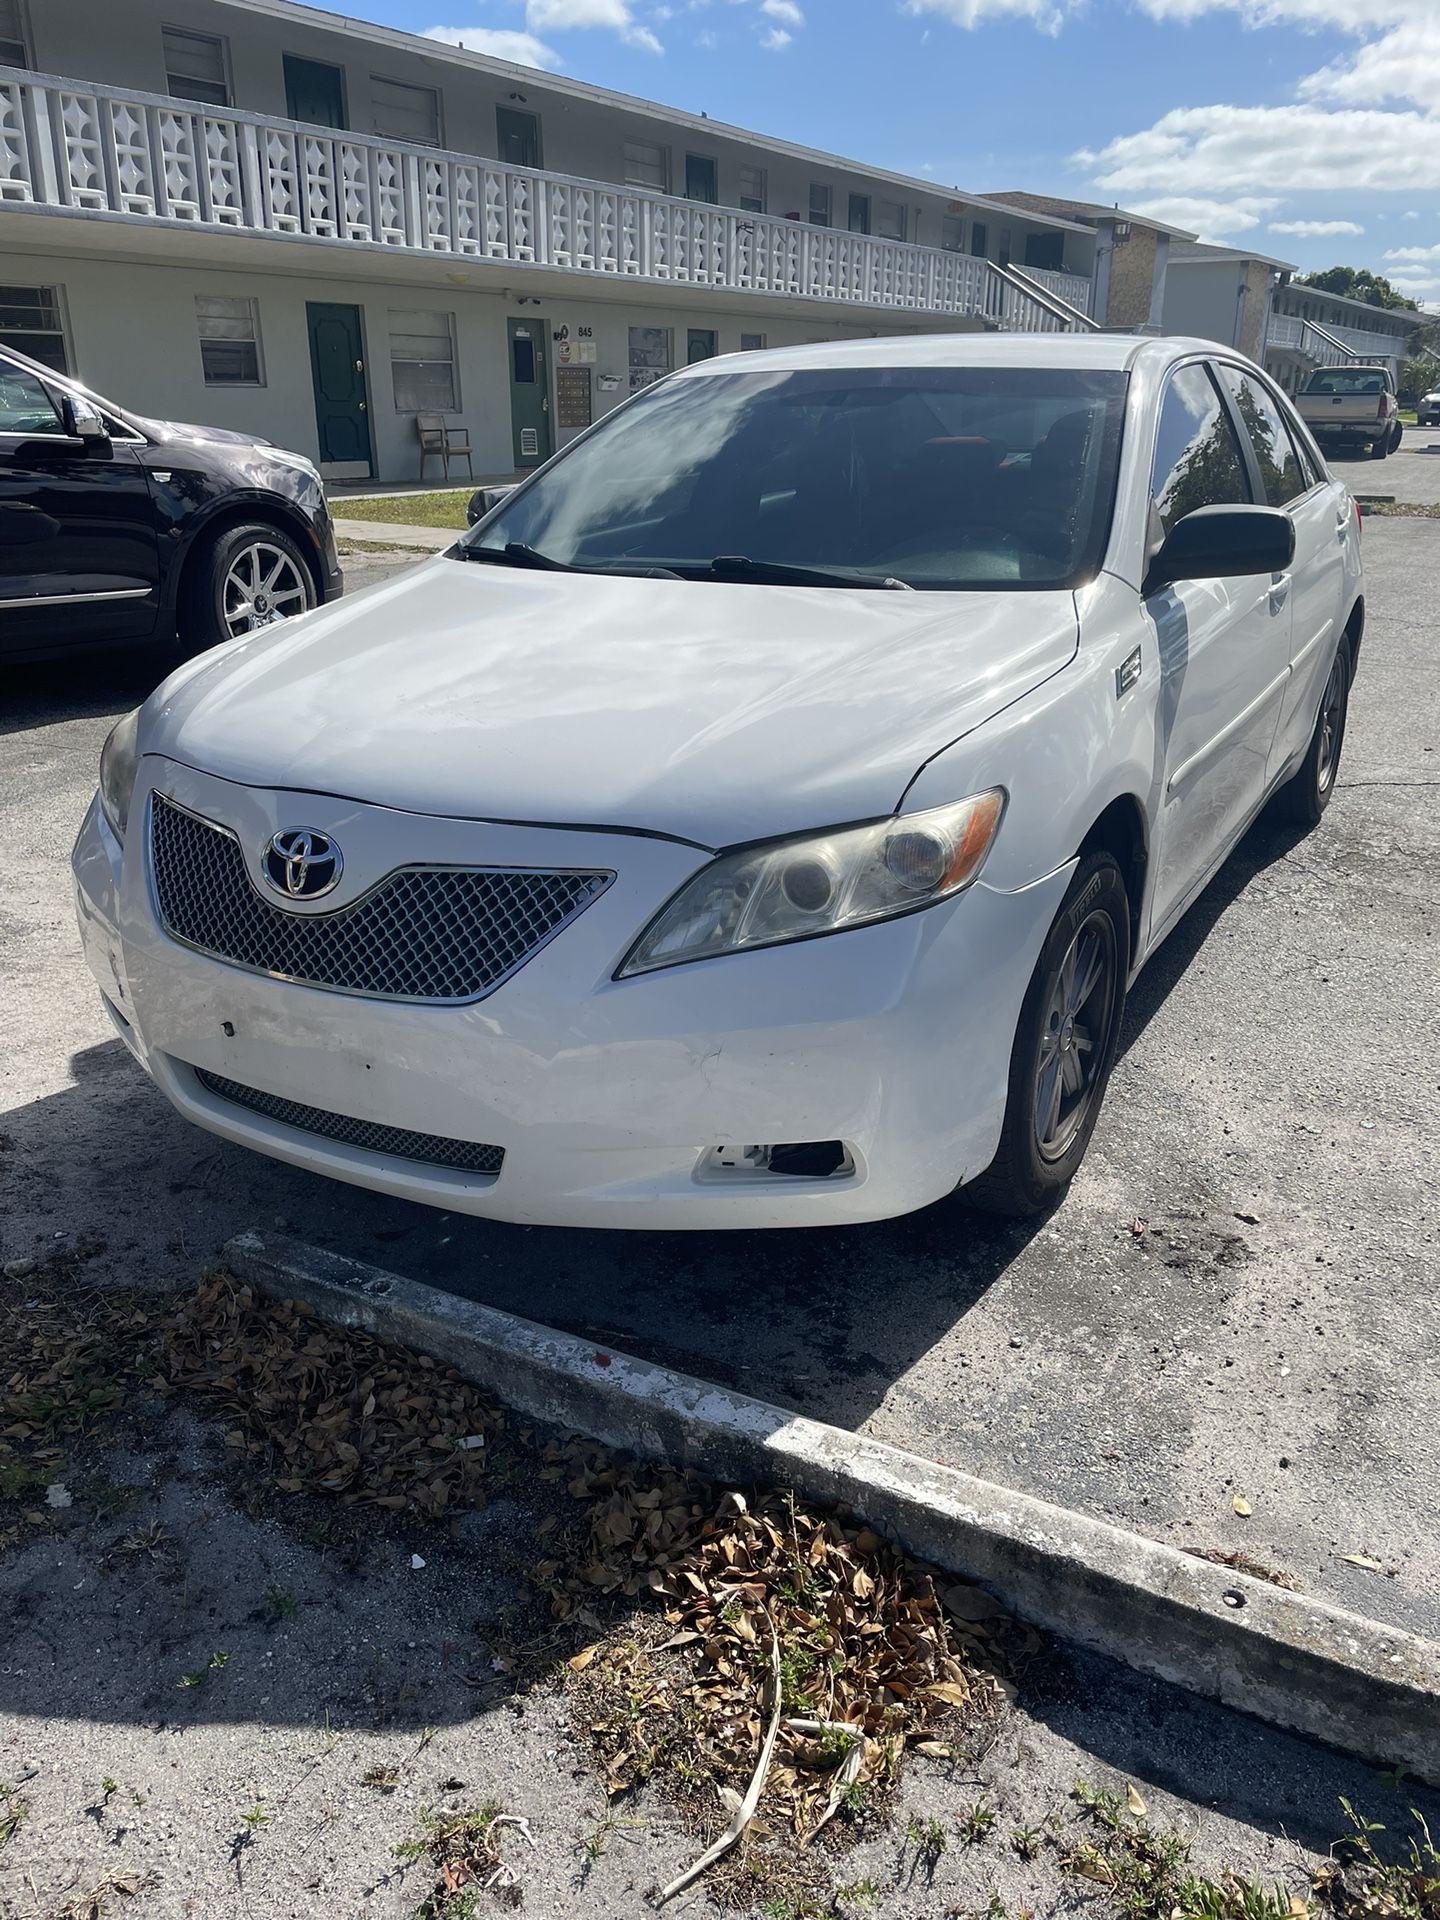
{"points": [[82, 421], [483, 501], [1218, 543]]}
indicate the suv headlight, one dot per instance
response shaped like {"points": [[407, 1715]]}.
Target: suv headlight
{"points": [[821, 883], [118, 764]]}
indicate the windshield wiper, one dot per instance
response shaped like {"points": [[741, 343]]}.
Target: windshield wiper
{"points": [[739, 566], [515, 554]]}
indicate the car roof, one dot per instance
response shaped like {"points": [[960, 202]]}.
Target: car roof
{"points": [[1083, 351]]}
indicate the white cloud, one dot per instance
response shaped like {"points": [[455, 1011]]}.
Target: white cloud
{"points": [[1413, 253], [612, 14], [776, 39], [521, 48], [1048, 15], [1403, 64], [785, 11], [1314, 229], [1202, 149], [707, 39], [1210, 218]]}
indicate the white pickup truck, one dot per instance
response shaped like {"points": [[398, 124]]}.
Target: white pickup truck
{"points": [[1346, 407]]}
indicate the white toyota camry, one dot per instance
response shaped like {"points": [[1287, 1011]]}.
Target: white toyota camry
{"points": [[757, 819]]}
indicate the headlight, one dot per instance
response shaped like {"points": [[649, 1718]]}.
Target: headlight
{"points": [[118, 764], [821, 884], [288, 459]]}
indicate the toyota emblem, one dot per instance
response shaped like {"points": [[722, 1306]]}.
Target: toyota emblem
{"points": [[301, 863]]}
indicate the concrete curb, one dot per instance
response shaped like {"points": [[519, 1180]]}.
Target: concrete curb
{"points": [[1294, 1661], [398, 533]]}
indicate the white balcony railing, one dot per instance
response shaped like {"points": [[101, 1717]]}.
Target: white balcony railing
{"points": [[69, 145], [1332, 346], [1073, 288]]}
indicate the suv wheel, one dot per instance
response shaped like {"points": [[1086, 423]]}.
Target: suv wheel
{"points": [[1064, 1046], [1380, 446], [251, 577]]}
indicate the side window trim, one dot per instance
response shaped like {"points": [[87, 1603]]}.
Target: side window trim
{"points": [[1248, 455], [1243, 450], [1247, 446]]}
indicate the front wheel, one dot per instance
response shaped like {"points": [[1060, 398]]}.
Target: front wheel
{"points": [[1064, 1046], [251, 577]]}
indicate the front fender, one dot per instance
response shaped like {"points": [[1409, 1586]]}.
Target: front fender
{"points": [[1066, 751]]}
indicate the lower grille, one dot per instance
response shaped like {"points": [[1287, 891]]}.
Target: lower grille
{"points": [[428, 1149]]}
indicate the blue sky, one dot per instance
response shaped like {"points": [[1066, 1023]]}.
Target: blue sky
{"points": [[1242, 119]]}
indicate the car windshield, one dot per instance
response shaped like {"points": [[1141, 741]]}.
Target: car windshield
{"points": [[1337, 380], [931, 477]]}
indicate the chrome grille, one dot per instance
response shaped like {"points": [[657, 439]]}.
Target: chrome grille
{"points": [[430, 1149], [423, 933]]}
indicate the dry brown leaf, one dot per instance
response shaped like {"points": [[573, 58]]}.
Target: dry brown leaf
{"points": [[1134, 1802], [1363, 1560], [1242, 1506], [582, 1659]]}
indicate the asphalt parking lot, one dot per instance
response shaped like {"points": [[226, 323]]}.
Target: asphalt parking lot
{"points": [[1273, 1331]]}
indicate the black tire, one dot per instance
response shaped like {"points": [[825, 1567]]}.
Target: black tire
{"points": [[1306, 794], [1040, 1154], [1380, 447], [212, 606], [1397, 439]]}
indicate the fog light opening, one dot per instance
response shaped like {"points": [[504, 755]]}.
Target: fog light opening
{"points": [[796, 1159]]}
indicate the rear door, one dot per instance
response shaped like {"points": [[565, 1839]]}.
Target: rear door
{"points": [[1224, 649], [1322, 515], [79, 553]]}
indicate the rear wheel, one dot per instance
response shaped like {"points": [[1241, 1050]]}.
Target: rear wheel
{"points": [[1306, 794], [1381, 446], [1064, 1046], [1397, 439], [250, 577]]}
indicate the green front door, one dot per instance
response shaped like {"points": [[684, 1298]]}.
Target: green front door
{"points": [[529, 391], [342, 405]]}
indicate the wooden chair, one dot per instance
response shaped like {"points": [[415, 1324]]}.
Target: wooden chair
{"points": [[442, 443]]}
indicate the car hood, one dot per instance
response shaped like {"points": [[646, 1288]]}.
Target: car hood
{"points": [[187, 430], [717, 713]]}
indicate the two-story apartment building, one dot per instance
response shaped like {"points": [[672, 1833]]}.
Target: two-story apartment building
{"points": [[1252, 301], [258, 215]]}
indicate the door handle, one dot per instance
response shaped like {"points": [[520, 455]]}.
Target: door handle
{"points": [[1279, 591], [362, 406], [359, 366]]}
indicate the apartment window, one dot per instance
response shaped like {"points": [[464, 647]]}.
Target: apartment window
{"points": [[32, 321], [891, 218], [1045, 250], [518, 137], [650, 350], [13, 38], [979, 239], [752, 189], [229, 328], [647, 165], [952, 233], [196, 67], [402, 112], [752, 343], [700, 179], [859, 213], [819, 205], [422, 362], [700, 344]]}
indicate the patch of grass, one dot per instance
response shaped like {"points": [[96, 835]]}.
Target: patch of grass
{"points": [[928, 1839], [976, 1823], [279, 1604], [256, 1817], [215, 1664], [441, 509], [14, 1812], [1403, 510]]}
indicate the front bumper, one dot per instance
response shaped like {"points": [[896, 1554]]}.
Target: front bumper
{"points": [[607, 1097]]}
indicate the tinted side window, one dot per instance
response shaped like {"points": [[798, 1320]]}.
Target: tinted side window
{"points": [[25, 405], [1197, 461], [1280, 469]]}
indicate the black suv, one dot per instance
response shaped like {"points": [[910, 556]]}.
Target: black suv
{"points": [[118, 528]]}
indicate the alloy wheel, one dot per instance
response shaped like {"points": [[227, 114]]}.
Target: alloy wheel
{"points": [[1332, 721], [1074, 1041], [264, 584]]}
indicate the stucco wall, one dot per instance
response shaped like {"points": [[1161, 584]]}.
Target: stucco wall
{"points": [[1201, 298], [1132, 278], [133, 335]]}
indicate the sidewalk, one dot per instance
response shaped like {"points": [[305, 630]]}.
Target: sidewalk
{"points": [[395, 533]]}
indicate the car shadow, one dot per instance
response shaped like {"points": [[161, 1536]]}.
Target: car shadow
{"points": [[84, 685]]}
